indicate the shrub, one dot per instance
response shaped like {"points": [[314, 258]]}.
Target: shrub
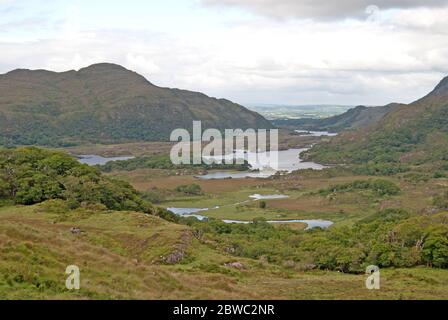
{"points": [[441, 201], [435, 250], [192, 189], [379, 186], [32, 175]]}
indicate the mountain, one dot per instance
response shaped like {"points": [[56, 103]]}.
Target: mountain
{"points": [[354, 118], [105, 103], [414, 134]]}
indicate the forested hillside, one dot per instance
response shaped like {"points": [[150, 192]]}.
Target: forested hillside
{"points": [[413, 134], [105, 103], [31, 175]]}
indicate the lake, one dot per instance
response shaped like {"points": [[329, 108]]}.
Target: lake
{"points": [[288, 161], [193, 212], [188, 212], [268, 197], [304, 133], [324, 224], [93, 160]]}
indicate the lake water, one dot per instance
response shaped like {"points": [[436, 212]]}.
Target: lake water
{"points": [[261, 164], [193, 212], [268, 197], [93, 160], [324, 224], [304, 133], [189, 212]]}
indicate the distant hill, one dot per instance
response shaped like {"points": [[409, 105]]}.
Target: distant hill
{"points": [[282, 112], [355, 118], [105, 103], [413, 134]]}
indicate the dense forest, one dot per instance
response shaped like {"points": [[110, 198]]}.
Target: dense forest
{"points": [[31, 175]]}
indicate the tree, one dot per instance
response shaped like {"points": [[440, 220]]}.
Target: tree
{"points": [[192, 189], [435, 250], [32, 175]]}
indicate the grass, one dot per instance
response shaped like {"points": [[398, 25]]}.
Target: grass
{"points": [[119, 254], [304, 202], [119, 257], [124, 149], [147, 179], [123, 255]]}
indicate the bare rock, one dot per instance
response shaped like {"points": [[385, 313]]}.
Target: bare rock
{"points": [[75, 230], [289, 264], [236, 265], [174, 257]]}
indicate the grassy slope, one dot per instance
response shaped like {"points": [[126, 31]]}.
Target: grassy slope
{"points": [[119, 254], [119, 257]]}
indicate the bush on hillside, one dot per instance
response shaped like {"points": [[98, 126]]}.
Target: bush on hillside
{"points": [[191, 189], [380, 186], [32, 175]]}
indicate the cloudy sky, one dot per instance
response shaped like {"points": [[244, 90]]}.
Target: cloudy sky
{"points": [[251, 51]]}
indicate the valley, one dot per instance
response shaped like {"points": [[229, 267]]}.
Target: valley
{"points": [[209, 159], [119, 256], [141, 227], [132, 255]]}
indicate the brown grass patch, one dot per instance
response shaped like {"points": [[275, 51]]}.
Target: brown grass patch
{"points": [[208, 186], [114, 150]]}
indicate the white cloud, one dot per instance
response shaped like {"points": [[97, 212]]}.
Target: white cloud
{"points": [[398, 57], [321, 8]]}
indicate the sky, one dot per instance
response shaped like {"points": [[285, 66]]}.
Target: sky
{"points": [[294, 52]]}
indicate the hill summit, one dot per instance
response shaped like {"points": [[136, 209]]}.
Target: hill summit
{"points": [[413, 134], [442, 87], [105, 103]]}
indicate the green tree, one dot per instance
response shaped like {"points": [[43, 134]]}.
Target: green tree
{"points": [[435, 250]]}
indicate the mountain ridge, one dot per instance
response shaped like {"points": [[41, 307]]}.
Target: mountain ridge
{"points": [[441, 88], [355, 118], [105, 103], [413, 134]]}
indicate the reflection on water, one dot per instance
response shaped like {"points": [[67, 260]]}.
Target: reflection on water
{"points": [[93, 160], [189, 212], [288, 161], [268, 197], [304, 133]]}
